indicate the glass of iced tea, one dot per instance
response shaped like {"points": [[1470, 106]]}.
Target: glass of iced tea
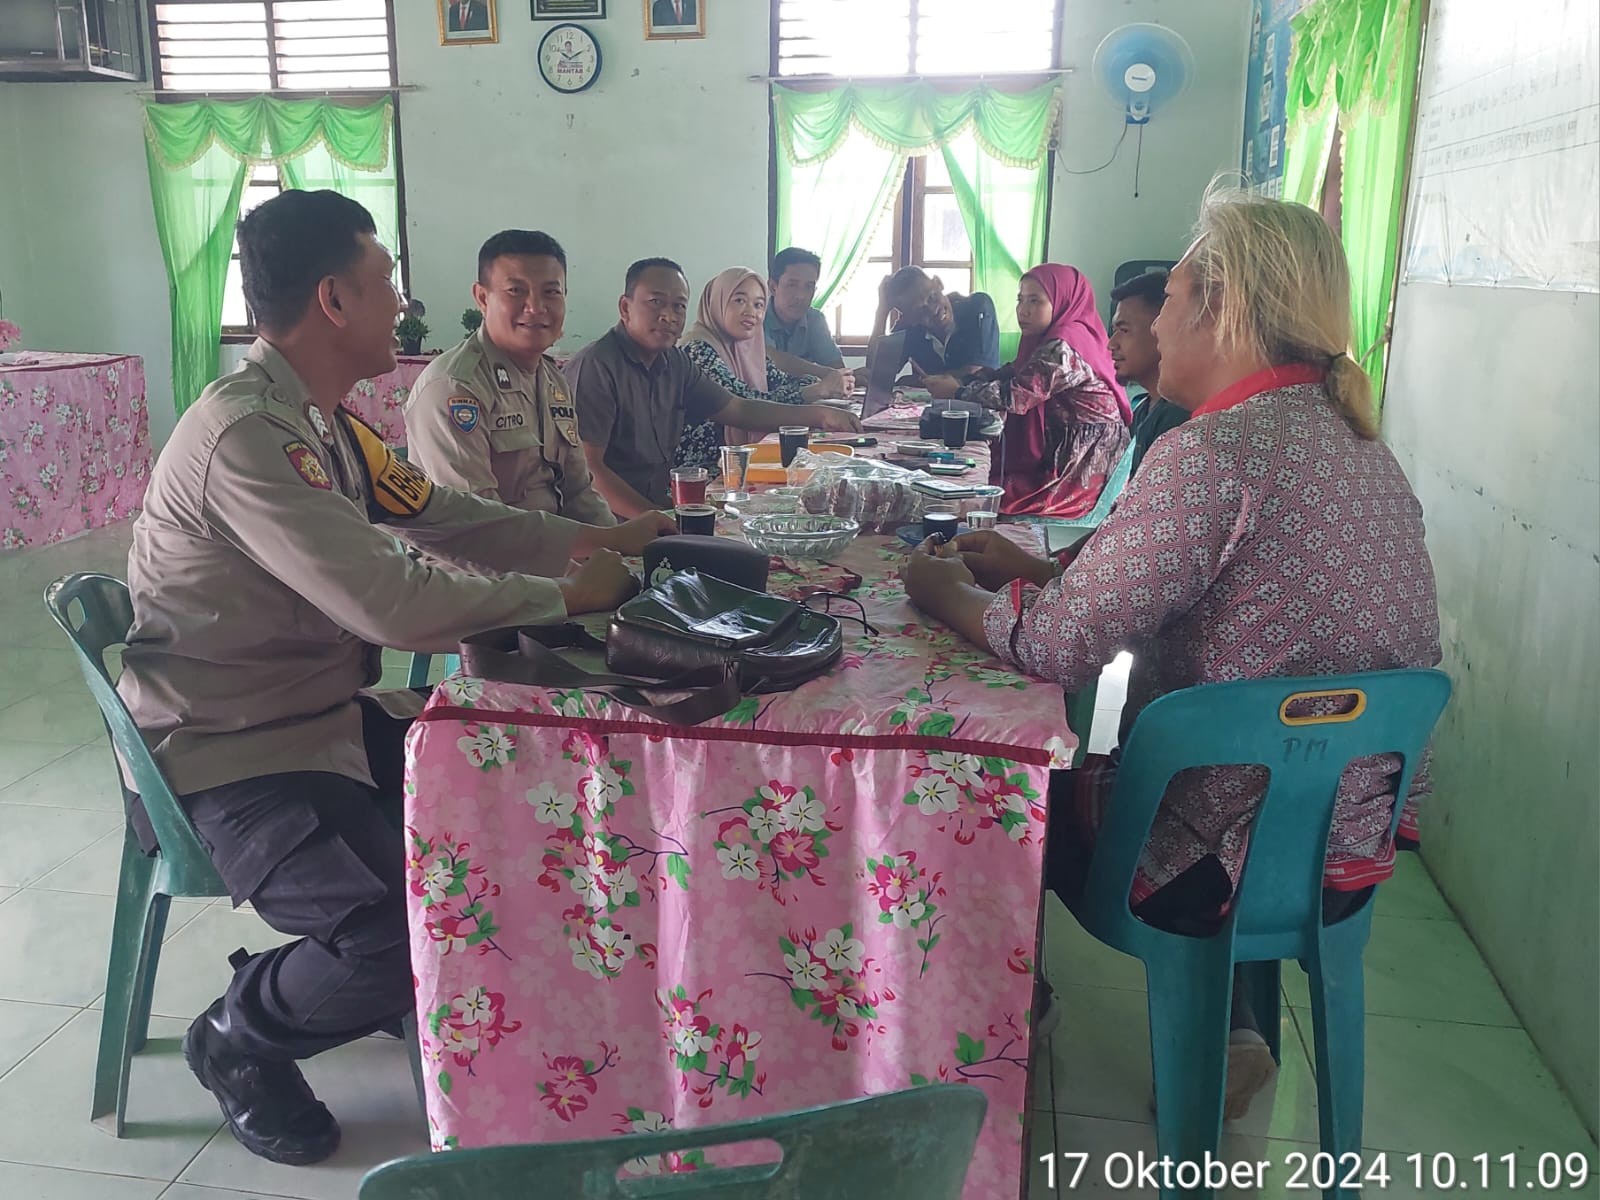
{"points": [[689, 485]]}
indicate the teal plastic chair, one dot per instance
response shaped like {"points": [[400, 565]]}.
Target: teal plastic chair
{"points": [[422, 663], [95, 612], [1277, 913], [912, 1143], [1060, 533]]}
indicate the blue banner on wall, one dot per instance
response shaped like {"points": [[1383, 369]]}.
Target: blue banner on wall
{"points": [[1262, 156]]}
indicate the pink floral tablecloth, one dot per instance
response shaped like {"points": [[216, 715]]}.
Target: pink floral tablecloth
{"points": [[379, 401], [74, 444], [619, 926]]}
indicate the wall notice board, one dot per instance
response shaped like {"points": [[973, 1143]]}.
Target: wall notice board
{"points": [[1267, 75], [1506, 170]]}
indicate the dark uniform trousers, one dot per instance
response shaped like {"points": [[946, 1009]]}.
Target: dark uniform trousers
{"points": [[321, 856]]}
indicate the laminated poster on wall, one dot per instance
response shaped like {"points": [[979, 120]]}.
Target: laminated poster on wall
{"points": [[1507, 161], [1266, 82]]}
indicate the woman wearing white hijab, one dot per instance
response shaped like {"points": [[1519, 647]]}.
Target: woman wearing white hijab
{"points": [[727, 343]]}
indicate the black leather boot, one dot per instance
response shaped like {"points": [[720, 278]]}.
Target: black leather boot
{"points": [[268, 1105]]}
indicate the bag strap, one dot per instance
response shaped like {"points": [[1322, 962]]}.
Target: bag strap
{"points": [[528, 655]]}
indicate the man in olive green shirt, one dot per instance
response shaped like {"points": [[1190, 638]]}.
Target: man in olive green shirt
{"points": [[492, 415], [265, 578]]}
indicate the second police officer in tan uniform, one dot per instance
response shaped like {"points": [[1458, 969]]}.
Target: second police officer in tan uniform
{"points": [[493, 415], [265, 577]]}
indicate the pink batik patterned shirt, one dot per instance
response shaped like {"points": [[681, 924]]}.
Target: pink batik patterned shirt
{"points": [[1261, 538]]}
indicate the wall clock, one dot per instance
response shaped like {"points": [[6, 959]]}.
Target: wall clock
{"points": [[569, 58]]}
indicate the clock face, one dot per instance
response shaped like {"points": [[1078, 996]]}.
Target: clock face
{"points": [[569, 59]]}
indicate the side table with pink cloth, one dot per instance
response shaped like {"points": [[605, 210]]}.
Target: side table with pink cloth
{"points": [[74, 444], [621, 926], [380, 401]]}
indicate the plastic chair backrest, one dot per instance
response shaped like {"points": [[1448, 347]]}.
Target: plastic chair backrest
{"points": [[1071, 530], [911, 1143], [1279, 902], [96, 612], [1112, 492]]}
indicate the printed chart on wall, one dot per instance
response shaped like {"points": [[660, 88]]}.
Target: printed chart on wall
{"points": [[1268, 74], [1507, 164]]}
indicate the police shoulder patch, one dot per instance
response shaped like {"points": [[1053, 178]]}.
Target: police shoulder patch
{"points": [[464, 413], [397, 489], [306, 463]]}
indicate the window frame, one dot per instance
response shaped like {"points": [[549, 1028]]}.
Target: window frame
{"points": [[236, 334], [272, 89], [908, 241], [911, 74], [910, 201]]}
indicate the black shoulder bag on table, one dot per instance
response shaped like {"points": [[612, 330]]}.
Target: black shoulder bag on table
{"points": [[683, 651]]}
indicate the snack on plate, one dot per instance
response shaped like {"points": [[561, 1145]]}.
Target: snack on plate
{"points": [[877, 495]]}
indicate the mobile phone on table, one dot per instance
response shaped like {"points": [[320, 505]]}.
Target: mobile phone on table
{"points": [[854, 439]]}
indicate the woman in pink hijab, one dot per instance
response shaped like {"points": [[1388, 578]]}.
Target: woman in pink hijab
{"points": [[1066, 417], [727, 343]]}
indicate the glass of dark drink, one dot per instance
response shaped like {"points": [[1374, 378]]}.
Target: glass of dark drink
{"points": [[940, 523], [689, 485], [955, 428], [791, 440], [697, 518]]}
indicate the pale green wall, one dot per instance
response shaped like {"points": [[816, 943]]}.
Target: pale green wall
{"points": [[80, 264], [1491, 407], [667, 154], [1096, 223]]}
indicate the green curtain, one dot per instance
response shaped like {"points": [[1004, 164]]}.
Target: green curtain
{"points": [[195, 211], [1003, 208], [842, 152], [377, 190], [199, 153], [1354, 66], [834, 207]]}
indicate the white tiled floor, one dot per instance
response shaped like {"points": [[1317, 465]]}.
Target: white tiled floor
{"points": [[1449, 1067]]}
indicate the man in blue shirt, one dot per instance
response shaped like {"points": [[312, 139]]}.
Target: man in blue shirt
{"points": [[798, 338], [944, 338]]}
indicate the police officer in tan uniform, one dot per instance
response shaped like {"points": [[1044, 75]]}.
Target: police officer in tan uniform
{"points": [[265, 577], [493, 415]]}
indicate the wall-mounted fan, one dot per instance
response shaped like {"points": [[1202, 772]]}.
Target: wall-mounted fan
{"points": [[1143, 67]]}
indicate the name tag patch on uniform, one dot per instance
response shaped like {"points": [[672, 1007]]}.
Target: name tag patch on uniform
{"points": [[509, 421], [398, 488], [464, 414], [502, 376], [566, 419], [305, 461]]}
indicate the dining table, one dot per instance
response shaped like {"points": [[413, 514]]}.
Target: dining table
{"points": [[619, 925], [74, 444]]}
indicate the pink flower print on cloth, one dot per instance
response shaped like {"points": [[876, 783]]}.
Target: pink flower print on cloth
{"points": [[905, 894], [967, 794], [708, 1056], [776, 838], [571, 1080]]}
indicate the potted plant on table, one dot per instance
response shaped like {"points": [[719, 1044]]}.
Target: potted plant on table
{"points": [[411, 330], [470, 320]]}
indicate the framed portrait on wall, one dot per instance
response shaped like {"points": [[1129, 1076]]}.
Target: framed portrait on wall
{"points": [[665, 20], [568, 10], [468, 22]]}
